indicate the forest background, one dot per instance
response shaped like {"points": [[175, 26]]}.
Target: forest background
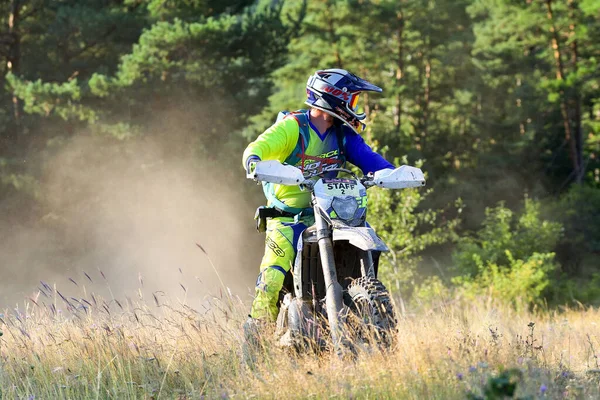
{"points": [[122, 125]]}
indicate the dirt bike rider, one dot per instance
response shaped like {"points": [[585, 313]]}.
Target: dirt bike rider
{"points": [[325, 136]]}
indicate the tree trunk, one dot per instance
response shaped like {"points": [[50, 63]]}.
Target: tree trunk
{"points": [[418, 119], [399, 71], [564, 109], [14, 58], [576, 96], [364, 99], [426, 101], [560, 70], [331, 23]]}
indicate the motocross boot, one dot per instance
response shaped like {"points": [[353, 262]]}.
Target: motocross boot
{"points": [[253, 330]]}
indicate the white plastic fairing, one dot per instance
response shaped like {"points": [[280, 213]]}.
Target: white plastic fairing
{"points": [[275, 172], [364, 238], [399, 178]]}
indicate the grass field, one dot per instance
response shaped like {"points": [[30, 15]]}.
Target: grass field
{"points": [[59, 347]]}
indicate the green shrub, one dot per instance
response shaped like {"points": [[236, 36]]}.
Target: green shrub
{"points": [[407, 230], [579, 212], [510, 259], [521, 282], [578, 290], [500, 235], [432, 290]]}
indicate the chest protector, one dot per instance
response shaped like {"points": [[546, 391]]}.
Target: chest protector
{"points": [[311, 164]]}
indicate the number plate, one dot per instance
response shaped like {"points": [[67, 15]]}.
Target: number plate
{"points": [[341, 187]]}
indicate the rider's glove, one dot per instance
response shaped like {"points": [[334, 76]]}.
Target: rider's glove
{"points": [[251, 165]]}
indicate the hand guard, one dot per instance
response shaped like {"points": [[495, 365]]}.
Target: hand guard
{"points": [[251, 165]]}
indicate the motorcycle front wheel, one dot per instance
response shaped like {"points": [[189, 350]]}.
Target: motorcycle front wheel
{"points": [[372, 318]]}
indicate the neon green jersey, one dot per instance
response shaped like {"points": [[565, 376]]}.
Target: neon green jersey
{"points": [[282, 142]]}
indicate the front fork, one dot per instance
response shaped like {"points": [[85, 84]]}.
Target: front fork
{"points": [[334, 292], [367, 266]]}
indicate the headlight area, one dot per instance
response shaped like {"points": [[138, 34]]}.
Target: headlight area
{"points": [[344, 207]]}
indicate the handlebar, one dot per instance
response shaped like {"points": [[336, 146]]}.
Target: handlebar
{"points": [[366, 180], [275, 172], [363, 179]]}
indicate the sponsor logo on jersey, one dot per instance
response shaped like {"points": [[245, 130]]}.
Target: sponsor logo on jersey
{"points": [[321, 163]]}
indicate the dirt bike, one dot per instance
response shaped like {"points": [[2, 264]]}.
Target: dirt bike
{"points": [[334, 276]]}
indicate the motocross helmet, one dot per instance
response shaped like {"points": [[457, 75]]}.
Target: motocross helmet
{"points": [[336, 92]]}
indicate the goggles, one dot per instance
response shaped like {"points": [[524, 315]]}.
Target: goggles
{"points": [[354, 101]]}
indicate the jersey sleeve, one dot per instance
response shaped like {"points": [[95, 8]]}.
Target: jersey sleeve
{"points": [[276, 143], [360, 154]]}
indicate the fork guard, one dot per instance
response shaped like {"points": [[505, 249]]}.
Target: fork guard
{"points": [[364, 238]]}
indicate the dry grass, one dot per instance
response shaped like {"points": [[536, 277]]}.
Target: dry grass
{"points": [[60, 347]]}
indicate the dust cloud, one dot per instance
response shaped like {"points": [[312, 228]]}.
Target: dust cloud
{"points": [[129, 215]]}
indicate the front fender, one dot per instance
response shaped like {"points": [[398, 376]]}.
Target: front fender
{"points": [[364, 238]]}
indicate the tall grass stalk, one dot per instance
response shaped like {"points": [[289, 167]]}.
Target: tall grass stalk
{"points": [[59, 347]]}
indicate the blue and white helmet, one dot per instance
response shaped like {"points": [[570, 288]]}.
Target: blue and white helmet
{"points": [[336, 92]]}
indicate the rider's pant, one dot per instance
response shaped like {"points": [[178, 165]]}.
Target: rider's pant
{"points": [[280, 252]]}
